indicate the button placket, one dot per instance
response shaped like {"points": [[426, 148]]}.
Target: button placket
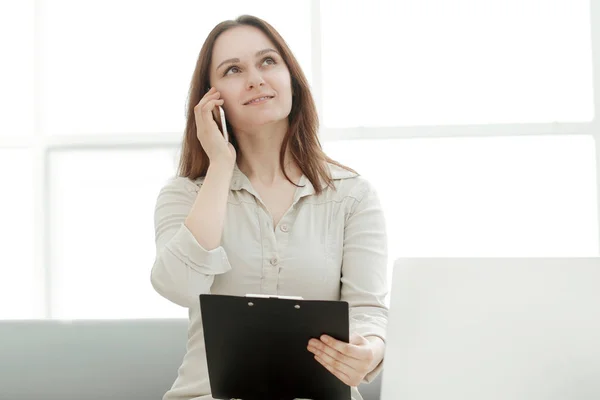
{"points": [[270, 252]]}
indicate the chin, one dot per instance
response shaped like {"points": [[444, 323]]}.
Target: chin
{"points": [[266, 119]]}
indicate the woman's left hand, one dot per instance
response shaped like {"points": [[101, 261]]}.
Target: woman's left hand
{"points": [[350, 362]]}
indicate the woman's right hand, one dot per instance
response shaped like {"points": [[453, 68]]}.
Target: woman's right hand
{"points": [[211, 139]]}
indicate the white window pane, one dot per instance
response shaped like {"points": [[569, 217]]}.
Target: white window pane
{"points": [[16, 68], [439, 62], [19, 284], [102, 233], [482, 197], [126, 66]]}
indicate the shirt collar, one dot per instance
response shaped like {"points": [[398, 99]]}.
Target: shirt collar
{"points": [[240, 181], [340, 173], [337, 173]]}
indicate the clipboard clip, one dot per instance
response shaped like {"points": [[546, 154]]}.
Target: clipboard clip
{"points": [[273, 296]]}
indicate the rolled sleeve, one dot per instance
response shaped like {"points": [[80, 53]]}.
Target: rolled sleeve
{"points": [[364, 267], [187, 250], [182, 269]]}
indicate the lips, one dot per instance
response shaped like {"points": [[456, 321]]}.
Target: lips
{"points": [[259, 97]]}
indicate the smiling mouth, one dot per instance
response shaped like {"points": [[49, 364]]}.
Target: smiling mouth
{"points": [[261, 100]]}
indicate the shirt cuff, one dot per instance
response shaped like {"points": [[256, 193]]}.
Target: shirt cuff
{"points": [[372, 330], [370, 377]]}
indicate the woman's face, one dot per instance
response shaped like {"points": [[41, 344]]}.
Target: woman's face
{"points": [[256, 71]]}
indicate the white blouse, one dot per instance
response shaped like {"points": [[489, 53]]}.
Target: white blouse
{"points": [[331, 246]]}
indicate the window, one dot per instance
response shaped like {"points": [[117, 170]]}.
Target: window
{"points": [[439, 62], [482, 197], [134, 76], [474, 119], [16, 79], [102, 232], [21, 285]]}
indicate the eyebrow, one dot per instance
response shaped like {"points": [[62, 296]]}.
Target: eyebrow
{"points": [[258, 54]]}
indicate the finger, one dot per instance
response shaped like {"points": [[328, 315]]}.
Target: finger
{"points": [[211, 105], [206, 98], [323, 350], [206, 113], [211, 91], [337, 373], [358, 340], [335, 363], [347, 349], [213, 94]]}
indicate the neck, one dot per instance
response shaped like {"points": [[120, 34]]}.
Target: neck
{"points": [[259, 153]]}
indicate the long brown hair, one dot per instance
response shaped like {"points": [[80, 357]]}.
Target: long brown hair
{"points": [[302, 135]]}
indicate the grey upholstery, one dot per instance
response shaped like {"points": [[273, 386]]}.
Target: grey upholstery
{"points": [[95, 359], [116, 359]]}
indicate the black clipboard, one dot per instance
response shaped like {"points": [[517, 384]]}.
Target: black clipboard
{"points": [[256, 347]]}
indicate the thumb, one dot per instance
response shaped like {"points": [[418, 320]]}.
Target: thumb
{"points": [[358, 340]]}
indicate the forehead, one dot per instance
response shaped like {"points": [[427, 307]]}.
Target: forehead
{"points": [[240, 42]]}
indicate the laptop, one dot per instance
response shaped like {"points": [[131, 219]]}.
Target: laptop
{"points": [[493, 329]]}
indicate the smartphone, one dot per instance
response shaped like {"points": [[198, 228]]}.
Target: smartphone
{"points": [[219, 115]]}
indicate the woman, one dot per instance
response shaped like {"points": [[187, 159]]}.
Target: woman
{"points": [[267, 212]]}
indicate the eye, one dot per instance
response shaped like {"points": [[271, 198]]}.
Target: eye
{"points": [[264, 59], [229, 69]]}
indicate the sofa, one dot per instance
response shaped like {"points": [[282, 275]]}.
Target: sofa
{"points": [[96, 359]]}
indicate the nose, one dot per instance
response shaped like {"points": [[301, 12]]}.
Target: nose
{"points": [[254, 79]]}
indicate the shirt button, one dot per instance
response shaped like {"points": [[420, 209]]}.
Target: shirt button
{"points": [[274, 261], [284, 228]]}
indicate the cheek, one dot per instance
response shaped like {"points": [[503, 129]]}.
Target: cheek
{"points": [[226, 90], [229, 101], [225, 94], [285, 81]]}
